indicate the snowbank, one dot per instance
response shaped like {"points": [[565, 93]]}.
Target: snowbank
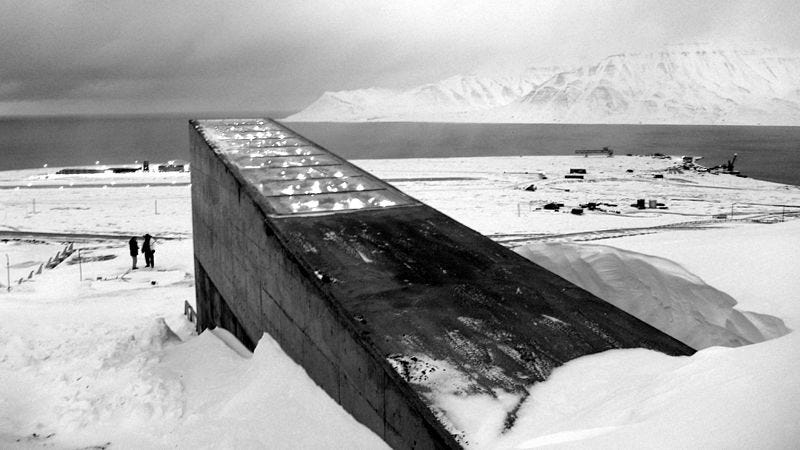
{"points": [[111, 361], [657, 291], [719, 398], [263, 401], [742, 397], [756, 264]]}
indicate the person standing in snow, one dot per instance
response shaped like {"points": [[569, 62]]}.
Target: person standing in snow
{"points": [[134, 247], [148, 250]]}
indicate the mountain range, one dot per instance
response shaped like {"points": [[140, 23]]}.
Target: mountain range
{"points": [[679, 85]]}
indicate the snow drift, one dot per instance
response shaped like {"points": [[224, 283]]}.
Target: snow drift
{"points": [[657, 291], [91, 364], [263, 400], [635, 398]]}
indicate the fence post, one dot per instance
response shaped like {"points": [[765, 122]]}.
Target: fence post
{"points": [[188, 311]]}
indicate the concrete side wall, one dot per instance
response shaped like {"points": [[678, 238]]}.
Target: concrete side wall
{"points": [[214, 311], [248, 283]]}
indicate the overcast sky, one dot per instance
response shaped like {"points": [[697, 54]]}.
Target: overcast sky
{"points": [[141, 56]]}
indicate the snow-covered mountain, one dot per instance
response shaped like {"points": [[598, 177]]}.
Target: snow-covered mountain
{"points": [[682, 85], [453, 96]]}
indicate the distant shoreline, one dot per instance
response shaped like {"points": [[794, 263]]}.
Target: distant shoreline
{"points": [[46, 178], [765, 152]]}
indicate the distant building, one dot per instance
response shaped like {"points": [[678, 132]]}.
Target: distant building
{"points": [[78, 171], [174, 166], [587, 152]]}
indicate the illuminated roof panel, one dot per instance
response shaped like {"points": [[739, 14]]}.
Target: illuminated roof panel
{"points": [[255, 150], [318, 186], [294, 175], [257, 175], [282, 162], [339, 202]]}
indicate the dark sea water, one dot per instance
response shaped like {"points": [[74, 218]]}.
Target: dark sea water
{"points": [[769, 153]]}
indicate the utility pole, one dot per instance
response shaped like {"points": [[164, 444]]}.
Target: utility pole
{"points": [[8, 273], [80, 265], [156, 200], [34, 206]]}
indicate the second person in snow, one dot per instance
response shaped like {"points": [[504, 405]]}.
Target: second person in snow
{"points": [[148, 250]]}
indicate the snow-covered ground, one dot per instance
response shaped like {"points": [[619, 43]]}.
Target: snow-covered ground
{"points": [[110, 360], [40, 200]]}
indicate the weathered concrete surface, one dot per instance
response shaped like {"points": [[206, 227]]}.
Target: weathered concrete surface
{"points": [[371, 290]]}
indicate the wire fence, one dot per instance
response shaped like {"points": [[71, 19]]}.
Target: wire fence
{"points": [[33, 267]]}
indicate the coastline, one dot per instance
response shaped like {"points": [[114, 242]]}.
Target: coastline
{"points": [[767, 153]]}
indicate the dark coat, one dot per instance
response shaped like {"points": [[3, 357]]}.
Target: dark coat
{"points": [[134, 246], [146, 248]]}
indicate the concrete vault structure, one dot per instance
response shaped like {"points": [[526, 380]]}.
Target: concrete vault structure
{"points": [[384, 301]]}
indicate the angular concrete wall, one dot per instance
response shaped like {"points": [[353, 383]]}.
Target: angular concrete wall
{"points": [[248, 282], [359, 283]]}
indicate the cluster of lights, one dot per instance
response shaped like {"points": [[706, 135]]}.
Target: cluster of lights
{"points": [[254, 162], [340, 204], [293, 175], [278, 152], [319, 187]]}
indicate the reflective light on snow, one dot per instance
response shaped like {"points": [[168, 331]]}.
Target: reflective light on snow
{"points": [[293, 175]]}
